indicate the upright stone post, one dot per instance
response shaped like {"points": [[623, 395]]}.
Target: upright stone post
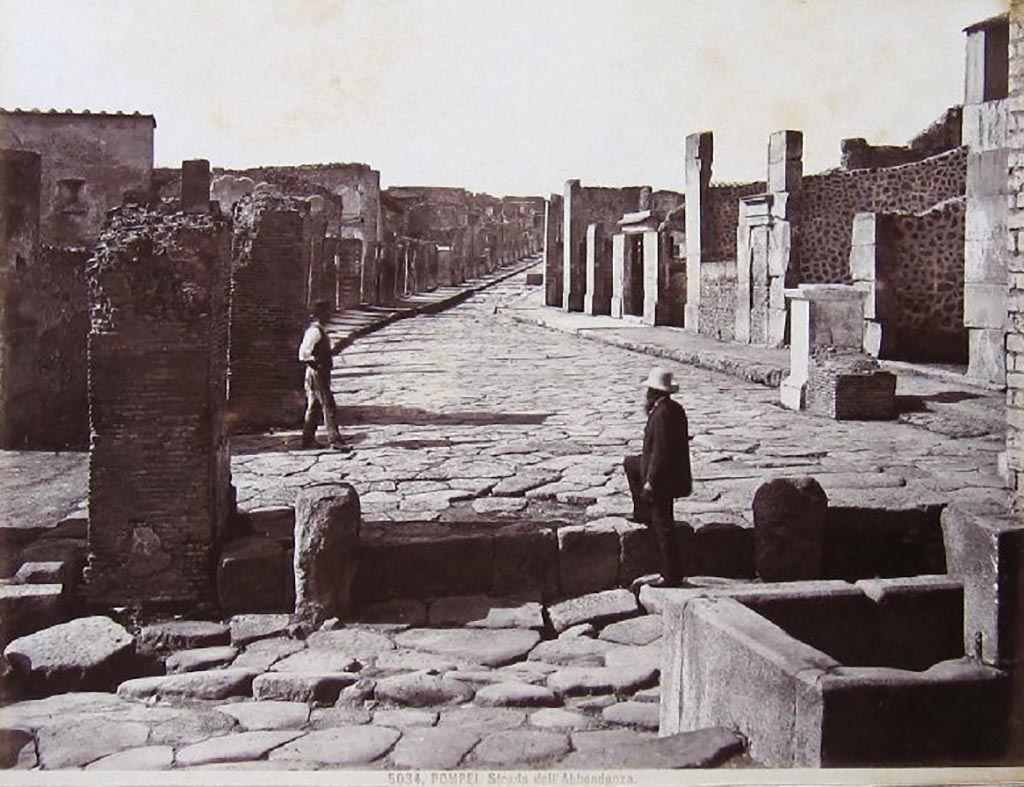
{"points": [[598, 298], [195, 186], [574, 222], [617, 305], [269, 312], [553, 242], [785, 182], [699, 158], [327, 521], [159, 465]]}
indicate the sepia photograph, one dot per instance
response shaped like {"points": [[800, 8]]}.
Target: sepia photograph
{"points": [[511, 392]]}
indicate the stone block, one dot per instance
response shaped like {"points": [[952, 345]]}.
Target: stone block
{"points": [[863, 262], [987, 355], [984, 262], [722, 549], [277, 522], [986, 219], [988, 173], [50, 572], [985, 305], [598, 608], [865, 229], [638, 552], [25, 609], [434, 560], [534, 279], [872, 338], [181, 635], [327, 522], [985, 551], [789, 527], [525, 560], [301, 686], [195, 186], [792, 393], [985, 125], [252, 576], [588, 558]]}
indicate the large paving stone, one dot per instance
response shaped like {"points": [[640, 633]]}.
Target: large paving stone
{"points": [[590, 741], [422, 689], [637, 631], [302, 686], [143, 758], [642, 657], [87, 653], [182, 635], [200, 659], [73, 744], [601, 680], [632, 714], [204, 685], [238, 747], [400, 718], [520, 747], [353, 745], [596, 608], [264, 653], [338, 716], [358, 643], [256, 626], [318, 661], [572, 651], [188, 726], [523, 481], [516, 695], [406, 660], [268, 714], [491, 648], [699, 749], [561, 718], [482, 720], [434, 749]]}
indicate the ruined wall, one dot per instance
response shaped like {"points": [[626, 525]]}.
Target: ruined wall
{"points": [[942, 135], [89, 161], [269, 274], [723, 217], [159, 466], [831, 199], [1015, 261], [718, 300]]}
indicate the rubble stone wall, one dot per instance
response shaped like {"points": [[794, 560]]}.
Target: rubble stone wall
{"points": [[159, 465], [723, 211], [718, 300], [831, 199]]}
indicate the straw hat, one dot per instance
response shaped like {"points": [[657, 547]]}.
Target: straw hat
{"points": [[660, 379]]}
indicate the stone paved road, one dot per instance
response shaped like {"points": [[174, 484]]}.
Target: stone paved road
{"points": [[469, 414]]}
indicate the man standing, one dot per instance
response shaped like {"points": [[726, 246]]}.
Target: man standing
{"points": [[318, 355], [662, 473]]}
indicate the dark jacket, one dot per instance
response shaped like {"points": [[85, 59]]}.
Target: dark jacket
{"points": [[666, 457]]}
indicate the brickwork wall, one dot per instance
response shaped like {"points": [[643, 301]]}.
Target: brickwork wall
{"points": [[159, 465], [269, 275], [718, 300], [723, 216], [1015, 261], [830, 200]]}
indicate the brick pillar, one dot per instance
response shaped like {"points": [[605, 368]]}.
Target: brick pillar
{"points": [[269, 280], [598, 297], [574, 274], [19, 247], [195, 186], [159, 465], [700, 153], [553, 214]]}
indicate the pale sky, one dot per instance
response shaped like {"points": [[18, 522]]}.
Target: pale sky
{"points": [[505, 96]]}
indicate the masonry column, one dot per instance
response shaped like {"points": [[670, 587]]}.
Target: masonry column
{"points": [[598, 298], [553, 214], [574, 276], [268, 311], [785, 183], [159, 467], [699, 158]]}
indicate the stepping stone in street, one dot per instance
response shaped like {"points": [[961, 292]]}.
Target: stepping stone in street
{"points": [[491, 648], [204, 685], [572, 651], [80, 654], [516, 695], [73, 744], [434, 749], [520, 747], [301, 686], [698, 749], [635, 631], [353, 745], [268, 714], [596, 608], [404, 717], [633, 714], [263, 654], [200, 659], [143, 758], [181, 635], [252, 627], [239, 746], [422, 689], [317, 661], [483, 720], [562, 718]]}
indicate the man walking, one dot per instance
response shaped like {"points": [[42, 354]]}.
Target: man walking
{"points": [[662, 472], [318, 355]]}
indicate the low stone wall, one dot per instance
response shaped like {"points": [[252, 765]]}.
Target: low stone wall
{"points": [[718, 300]]}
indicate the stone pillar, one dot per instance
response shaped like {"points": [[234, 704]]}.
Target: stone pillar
{"points": [[985, 125], [348, 272], [617, 308], [327, 522], [655, 278], [867, 257], [699, 158], [159, 465], [19, 229], [574, 222], [268, 311], [753, 237], [829, 372], [195, 186], [598, 298], [785, 183], [553, 214]]}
